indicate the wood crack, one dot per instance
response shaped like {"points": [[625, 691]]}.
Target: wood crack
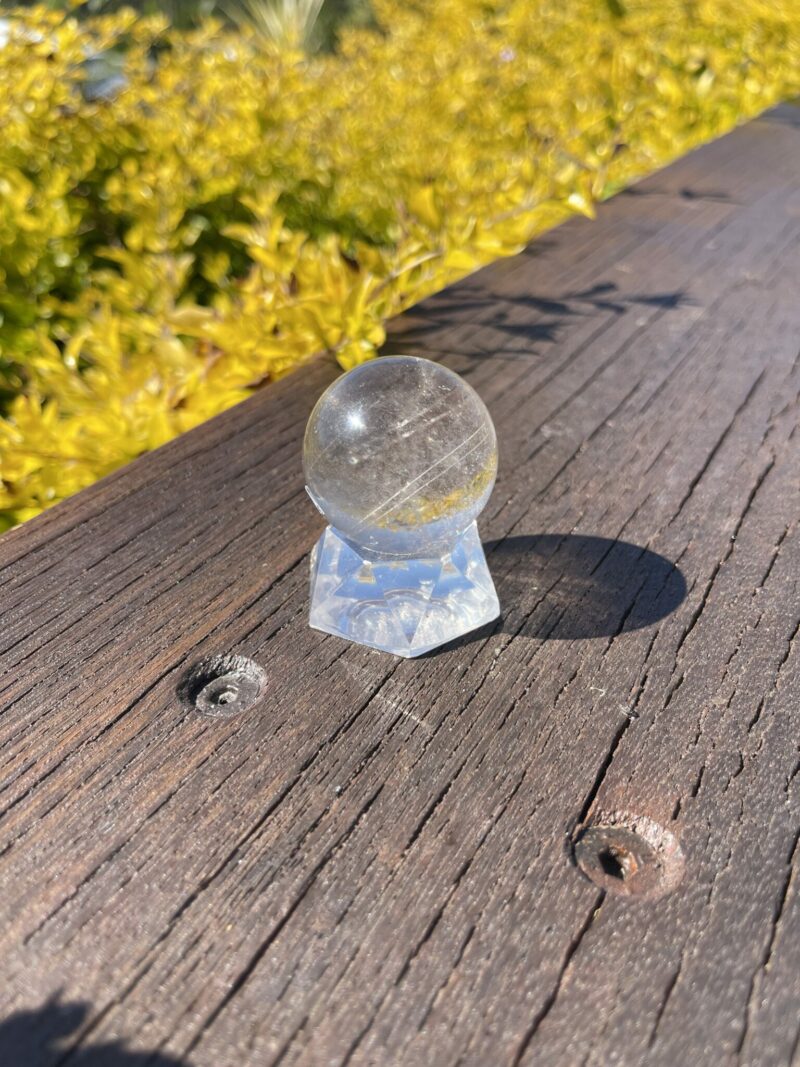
{"points": [[552, 997], [775, 923]]}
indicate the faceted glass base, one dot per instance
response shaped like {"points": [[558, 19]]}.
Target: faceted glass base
{"points": [[406, 606]]}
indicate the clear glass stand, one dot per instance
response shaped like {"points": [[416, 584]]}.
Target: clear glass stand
{"points": [[404, 606]]}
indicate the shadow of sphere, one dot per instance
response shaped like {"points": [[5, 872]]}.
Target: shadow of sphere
{"points": [[600, 586]]}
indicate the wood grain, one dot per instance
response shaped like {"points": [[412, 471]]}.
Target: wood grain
{"points": [[374, 863]]}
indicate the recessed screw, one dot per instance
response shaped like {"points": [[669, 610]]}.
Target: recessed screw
{"points": [[629, 855], [223, 686]]}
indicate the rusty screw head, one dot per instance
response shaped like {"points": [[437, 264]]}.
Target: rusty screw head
{"points": [[629, 855], [223, 686]]}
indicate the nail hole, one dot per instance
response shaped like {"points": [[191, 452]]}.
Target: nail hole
{"points": [[223, 686]]}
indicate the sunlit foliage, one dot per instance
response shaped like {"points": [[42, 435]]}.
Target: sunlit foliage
{"points": [[185, 215]]}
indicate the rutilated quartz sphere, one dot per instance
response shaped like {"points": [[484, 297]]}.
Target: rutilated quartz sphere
{"points": [[400, 456]]}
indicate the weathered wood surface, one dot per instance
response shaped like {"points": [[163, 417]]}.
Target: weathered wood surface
{"points": [[374, 864]]}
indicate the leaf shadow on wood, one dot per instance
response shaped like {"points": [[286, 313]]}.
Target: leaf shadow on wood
{"points": [[521, 325], [685, 193], [39, 1038], [575, 587]]}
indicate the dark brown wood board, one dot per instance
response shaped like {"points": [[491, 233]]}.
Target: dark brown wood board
{"points": [[376, 861]]}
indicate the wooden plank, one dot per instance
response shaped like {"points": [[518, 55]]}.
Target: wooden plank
{"points": [[375, 862]]}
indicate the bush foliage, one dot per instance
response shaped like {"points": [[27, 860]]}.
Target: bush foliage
{"points": [[185, 215]]}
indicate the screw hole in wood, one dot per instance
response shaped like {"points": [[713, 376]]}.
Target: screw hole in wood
{"points": [[223, 686], [618, 862], [629, 855]]}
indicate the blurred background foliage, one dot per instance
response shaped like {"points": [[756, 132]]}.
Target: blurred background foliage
{"points": [[320, 18], [196, 198]]}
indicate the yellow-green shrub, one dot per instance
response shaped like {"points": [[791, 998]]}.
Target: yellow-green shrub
{"points": [[234, 209]]}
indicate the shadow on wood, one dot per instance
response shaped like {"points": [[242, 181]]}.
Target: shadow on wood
{"points": [[37, 1039], [513, 332], [591, 586], [578, 587]]}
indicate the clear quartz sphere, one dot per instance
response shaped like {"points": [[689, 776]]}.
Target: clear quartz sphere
{"points": [[400, 456]]}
